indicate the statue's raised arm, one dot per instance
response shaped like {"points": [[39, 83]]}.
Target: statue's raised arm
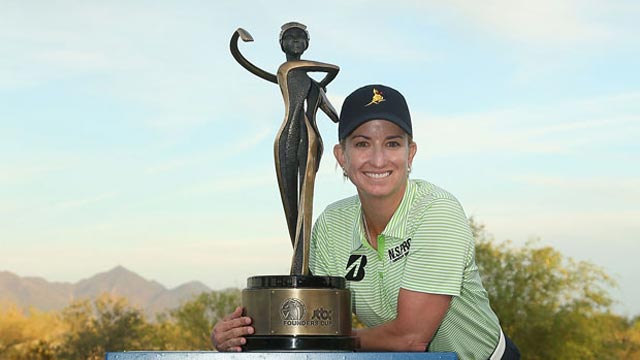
{"points": [[233, 45]]}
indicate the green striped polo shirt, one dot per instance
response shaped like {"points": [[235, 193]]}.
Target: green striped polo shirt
{"points": [[427, 247]]}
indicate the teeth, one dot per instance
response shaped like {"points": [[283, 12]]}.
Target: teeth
{"points": [[378, 175]]}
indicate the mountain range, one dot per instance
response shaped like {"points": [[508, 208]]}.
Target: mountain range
{"points": [[148, 295]]}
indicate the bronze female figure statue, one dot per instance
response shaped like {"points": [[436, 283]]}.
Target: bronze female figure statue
{"points": [[298, 146]]}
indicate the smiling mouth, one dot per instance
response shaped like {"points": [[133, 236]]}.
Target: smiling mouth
{"points": [[378, 175]]}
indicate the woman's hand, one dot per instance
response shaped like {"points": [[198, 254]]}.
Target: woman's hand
{"points": [[229, 333]]}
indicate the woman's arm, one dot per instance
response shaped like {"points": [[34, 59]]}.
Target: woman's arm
{"points": [[419, 316], [443, 233]]}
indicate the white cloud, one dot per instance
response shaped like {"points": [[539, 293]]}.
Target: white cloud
{"points": [[237, 183], [545, 22], [627, 186], [556, 128], [477, 133], [85, 201], [12, 174], [220, 152], [75, 60]]}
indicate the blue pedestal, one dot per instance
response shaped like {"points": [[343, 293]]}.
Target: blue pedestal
{"points": [[190, 355]]}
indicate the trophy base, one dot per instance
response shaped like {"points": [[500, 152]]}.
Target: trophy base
{"points": [[300, 343], [298, 313]]}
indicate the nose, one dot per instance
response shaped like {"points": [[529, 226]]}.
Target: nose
{"points": [[378, 157]]}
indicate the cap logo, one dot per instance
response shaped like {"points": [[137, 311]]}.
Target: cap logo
{"points": [[377, 97]]}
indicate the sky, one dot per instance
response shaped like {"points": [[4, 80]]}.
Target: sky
{"points": [[129, 135]]}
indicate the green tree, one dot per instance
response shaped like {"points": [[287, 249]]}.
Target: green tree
{"points": [[552, 306], [107, 324], [190, 325], [24, 330], [13, 330]]}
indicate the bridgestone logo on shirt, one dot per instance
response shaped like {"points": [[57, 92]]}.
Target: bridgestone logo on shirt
{"points": [[398, 252], [356, 265]]}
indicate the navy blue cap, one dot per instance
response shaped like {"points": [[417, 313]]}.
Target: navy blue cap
{"points": [[373, 102]]}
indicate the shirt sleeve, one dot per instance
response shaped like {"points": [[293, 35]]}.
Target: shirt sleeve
{"points": [[440, 249], [318, 261]]}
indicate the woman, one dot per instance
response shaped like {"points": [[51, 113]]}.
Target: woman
{"points": [[404, 246]]}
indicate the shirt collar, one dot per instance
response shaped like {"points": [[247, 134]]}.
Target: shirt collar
{"points": [[357, 236], [396, 228]]}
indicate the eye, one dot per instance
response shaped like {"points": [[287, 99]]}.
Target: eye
{"points": [[393, 144], [361, 144]]}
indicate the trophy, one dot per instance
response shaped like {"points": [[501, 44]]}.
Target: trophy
{"points": [[299, 311]]}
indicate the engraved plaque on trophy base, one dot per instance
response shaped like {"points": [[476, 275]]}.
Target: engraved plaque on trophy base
{"points": [[298, 313]]}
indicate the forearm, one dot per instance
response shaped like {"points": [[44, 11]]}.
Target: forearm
{"points": [[419, 316], [390, 337]]}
